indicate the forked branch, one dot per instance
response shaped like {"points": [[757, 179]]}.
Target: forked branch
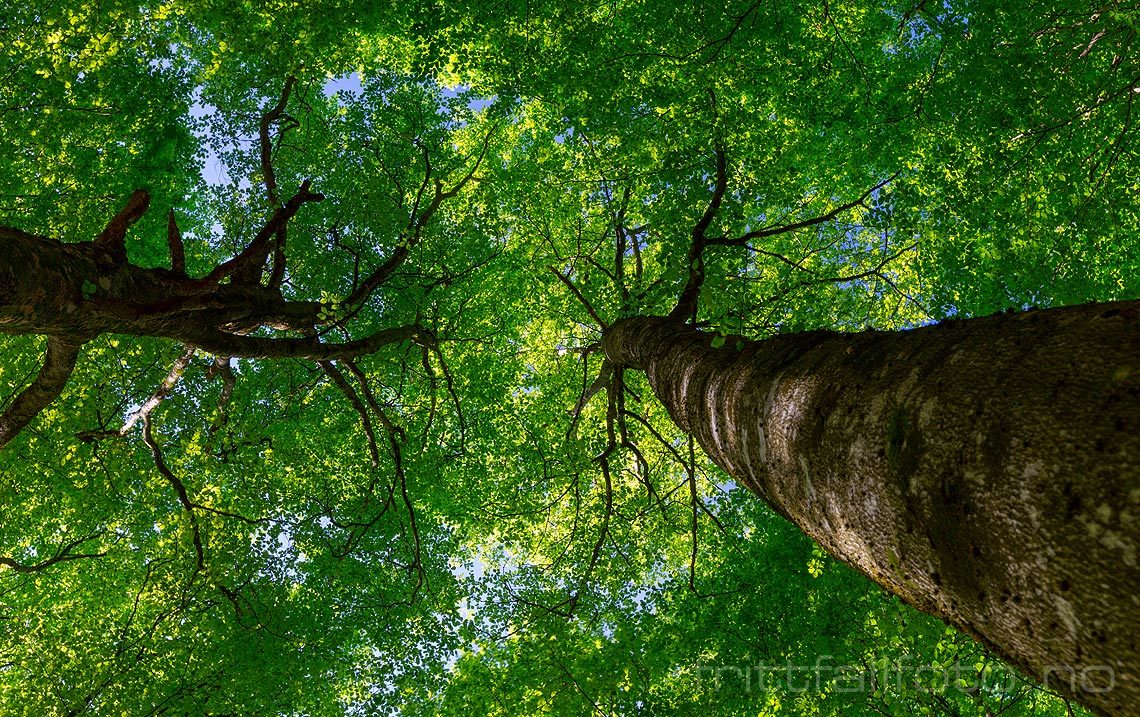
{"points": [[143, 412], [417, 222], [62, 554], [686, 307], [253, 257]]}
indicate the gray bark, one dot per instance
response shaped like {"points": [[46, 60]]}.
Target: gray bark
{"points": [[987, 470]]}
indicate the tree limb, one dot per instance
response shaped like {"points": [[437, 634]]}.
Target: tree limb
{"points": [[416, 224], [795, 226], [687, 302], [174, 243], [59, 363], [268, 119], [144, 411], [114, 235], [345, 388], [221, 343], [179, 488], [252, 259], [581, 299], [63, 554]]}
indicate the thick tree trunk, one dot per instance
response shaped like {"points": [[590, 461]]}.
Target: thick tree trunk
{"points": [[985, 470], [81, 290], [73, 292]]}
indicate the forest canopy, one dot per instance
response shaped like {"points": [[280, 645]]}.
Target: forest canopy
{"points": [[338, 435]]}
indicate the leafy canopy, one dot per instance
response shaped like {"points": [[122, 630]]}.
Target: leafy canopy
{"points": [[517, 537]]}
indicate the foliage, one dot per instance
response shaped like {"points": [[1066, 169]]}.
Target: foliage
{"points": [[514, 548]]}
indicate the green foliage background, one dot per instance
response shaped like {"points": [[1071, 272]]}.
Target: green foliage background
{"points": [[533, 582]]}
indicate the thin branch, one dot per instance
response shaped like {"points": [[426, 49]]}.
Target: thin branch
{"points": [[395, 436], [345, 388], [63, 554], [221, 343], [588, 392], [450, 381], [221, 367], [417, 222], [581, 299], [268, 119], [795, 226], [179, 489], [687, 302]]}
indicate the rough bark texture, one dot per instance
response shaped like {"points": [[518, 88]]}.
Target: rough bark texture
{"points": [[985, 470], [73, 292], [59, 362], [82, 290]]}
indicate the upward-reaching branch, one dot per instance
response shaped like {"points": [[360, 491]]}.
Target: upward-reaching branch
{"points": [[267, 120], [687, 303], [142, 412], [416, 223], [252, 272], [114, 234], [58, 365], [253, 257], [174, 244], [686, 307]]}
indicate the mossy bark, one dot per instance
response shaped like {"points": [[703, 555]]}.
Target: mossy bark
{"points": [[986, 470]]}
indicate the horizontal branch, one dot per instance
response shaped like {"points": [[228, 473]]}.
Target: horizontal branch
{"points": [[795, 226], [62, 555], [221, 343]]}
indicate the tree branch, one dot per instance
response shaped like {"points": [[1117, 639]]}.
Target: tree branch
{"points": [[221, 343], [252, 259], [179, 488], [174, 243], [63, 554], [687, 302], [581, 299], [268, 119], [156, 398], [416, 224], [114, 235], [795, 226], [345, 388], [221, 368], [59, 363]]}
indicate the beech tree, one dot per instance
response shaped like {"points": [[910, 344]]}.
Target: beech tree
{"points": [[329, 338]]}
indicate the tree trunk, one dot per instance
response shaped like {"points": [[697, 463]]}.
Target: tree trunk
{"points": [[986, 470]]}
